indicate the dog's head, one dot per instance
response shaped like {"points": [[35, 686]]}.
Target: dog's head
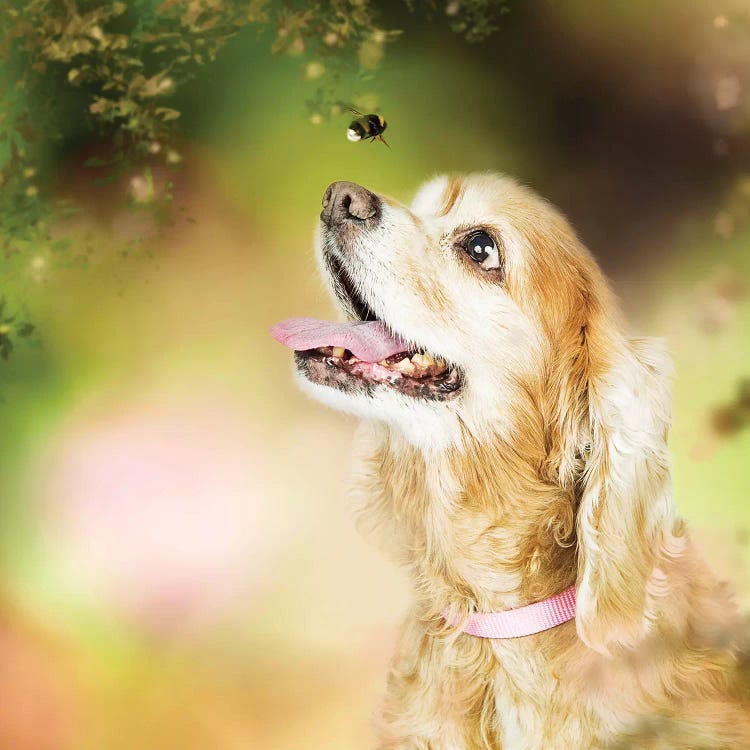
{"points": [[485, 318]]}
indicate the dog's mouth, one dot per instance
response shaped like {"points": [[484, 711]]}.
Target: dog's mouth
{"points": [[364, 354]]}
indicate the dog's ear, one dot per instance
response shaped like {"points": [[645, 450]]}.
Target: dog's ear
{"points": [[623, 487], [607, 413]]}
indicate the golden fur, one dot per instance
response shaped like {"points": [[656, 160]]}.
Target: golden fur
{"points": [[550, 468]]}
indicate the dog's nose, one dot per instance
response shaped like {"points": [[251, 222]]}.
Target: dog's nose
{"points": [[348, 202]]}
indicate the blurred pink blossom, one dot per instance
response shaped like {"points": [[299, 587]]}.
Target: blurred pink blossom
{"points": [[159, 505]]}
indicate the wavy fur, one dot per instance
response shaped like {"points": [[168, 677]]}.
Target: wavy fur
{"points": [[551, 468]]}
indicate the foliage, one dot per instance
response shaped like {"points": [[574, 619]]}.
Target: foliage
{"points": [[475, 19], [10, 328], [113, 67]]}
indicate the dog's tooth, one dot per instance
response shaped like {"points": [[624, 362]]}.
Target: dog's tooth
{"points": [[405, 365], [422, 360], [338, 351]]}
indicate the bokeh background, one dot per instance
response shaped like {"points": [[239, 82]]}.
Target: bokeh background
{"points": [[178, 567]]}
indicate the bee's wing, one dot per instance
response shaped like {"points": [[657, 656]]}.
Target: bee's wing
{"points": [[355, 112]]}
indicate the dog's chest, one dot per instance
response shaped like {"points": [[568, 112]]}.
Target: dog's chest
{"points": [[536, 710]]}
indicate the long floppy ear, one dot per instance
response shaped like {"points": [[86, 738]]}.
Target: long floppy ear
{"points": [[625, 503]]}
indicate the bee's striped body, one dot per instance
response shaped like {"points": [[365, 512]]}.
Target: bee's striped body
{"points": [[366, 127]]}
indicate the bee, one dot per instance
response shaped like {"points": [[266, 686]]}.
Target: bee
{"points": [[366, 127]]}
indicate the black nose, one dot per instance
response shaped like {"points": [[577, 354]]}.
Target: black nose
{"points": [[348, 202]]}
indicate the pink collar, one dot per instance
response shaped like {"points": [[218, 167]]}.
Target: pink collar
{"points": [[533, 618]]}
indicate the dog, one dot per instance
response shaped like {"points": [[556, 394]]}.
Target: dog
{"points": [[513, 451]]}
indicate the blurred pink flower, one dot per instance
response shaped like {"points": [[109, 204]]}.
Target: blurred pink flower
{"points": [[158, 505]]}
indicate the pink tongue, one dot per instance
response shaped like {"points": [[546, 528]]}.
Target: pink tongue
{"points": [[369, 341]]}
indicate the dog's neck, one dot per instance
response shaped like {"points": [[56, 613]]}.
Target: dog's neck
{"points": [[478, 528]]}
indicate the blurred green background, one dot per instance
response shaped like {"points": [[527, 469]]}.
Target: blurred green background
{"points": [[178, 568]]}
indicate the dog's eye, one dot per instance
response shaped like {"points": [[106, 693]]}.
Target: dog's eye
{"points": [[482, 249]]}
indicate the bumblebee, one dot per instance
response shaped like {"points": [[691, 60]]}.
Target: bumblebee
{"points": [[366, 127]]}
